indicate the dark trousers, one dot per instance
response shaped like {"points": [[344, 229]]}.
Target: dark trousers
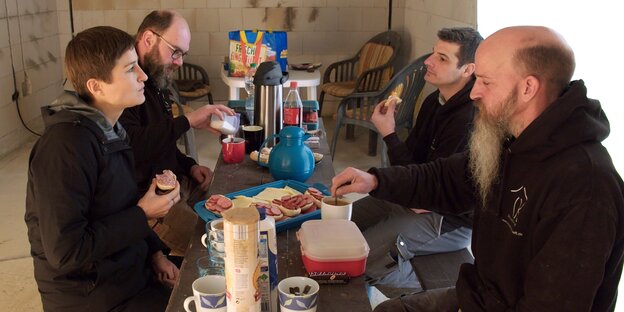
{"points": [[153, 298], [178, 225]]}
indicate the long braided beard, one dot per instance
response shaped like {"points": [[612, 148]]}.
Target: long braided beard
{"points": [[486, 144]]}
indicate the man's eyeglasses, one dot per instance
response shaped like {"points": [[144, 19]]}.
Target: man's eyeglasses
{"points": [[176, 53]]}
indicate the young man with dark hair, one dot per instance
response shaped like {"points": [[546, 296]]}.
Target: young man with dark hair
{"points": [[87, 223], [395, 233]]}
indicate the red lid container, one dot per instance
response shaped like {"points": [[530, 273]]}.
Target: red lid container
{"points": [[333, 246]]}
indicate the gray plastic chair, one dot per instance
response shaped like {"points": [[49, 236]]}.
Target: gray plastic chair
{"points": [[356, 109]]}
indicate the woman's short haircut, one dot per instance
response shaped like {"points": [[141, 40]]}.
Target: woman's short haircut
{"points": [[93, 53]]}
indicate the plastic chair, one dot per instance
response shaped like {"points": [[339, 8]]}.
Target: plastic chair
{"points": [[370, 69], [192, 83], [357, 108], [179, 109]]}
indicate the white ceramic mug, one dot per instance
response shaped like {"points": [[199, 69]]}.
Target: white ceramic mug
{"points": [[330, 209], [298, 302], [208, 294]]}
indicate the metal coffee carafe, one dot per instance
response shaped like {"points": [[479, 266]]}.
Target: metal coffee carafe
{"points": [[268, 97]]}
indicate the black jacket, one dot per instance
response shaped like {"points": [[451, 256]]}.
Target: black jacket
{"points": [[551, 235], [90, 243], [153, 133], [440, 131]]}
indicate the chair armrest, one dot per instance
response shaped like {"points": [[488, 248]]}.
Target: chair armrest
{"points": [[360, 103], [377, 95], [342, 71]]}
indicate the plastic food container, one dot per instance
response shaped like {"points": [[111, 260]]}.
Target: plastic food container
{"points": [[333, 246]]}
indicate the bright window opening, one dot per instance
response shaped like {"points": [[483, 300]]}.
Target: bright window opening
{"points": [[593, 29]]}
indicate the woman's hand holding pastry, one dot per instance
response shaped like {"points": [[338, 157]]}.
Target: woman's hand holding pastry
{"points": [[157, 206]]}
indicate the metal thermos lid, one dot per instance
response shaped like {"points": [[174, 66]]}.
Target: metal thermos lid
{"points": [[270, 74]]}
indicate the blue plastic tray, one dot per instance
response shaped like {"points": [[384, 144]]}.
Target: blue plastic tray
{"points": [[207, 215]]}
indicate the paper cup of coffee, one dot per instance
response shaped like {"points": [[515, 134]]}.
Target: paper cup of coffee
{"points": [[336, 208]]}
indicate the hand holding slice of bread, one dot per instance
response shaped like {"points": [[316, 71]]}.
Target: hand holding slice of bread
{"points": [[385, 104], [165, 182], [395, 96]]}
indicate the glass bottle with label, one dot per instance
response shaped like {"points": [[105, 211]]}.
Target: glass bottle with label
{"points": [[293, 108]]}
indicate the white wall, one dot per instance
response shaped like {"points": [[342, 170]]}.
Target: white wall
{"points": [[594, 30], [318, 30], [423, 19], [28, 42]]}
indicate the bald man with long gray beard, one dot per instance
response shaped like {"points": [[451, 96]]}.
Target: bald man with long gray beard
{"points": [[548, 231]]}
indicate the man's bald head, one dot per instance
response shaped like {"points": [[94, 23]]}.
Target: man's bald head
{"points": [[160, 21], [540, 52]]}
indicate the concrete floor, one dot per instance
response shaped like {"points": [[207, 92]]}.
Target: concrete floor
{"points": [[18, 290]]}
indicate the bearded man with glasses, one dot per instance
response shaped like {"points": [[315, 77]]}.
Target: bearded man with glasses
{"points": [[162, 42]]}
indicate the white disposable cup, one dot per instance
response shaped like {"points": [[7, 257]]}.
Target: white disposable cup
{"points": [[329, 209], [208, 294]]}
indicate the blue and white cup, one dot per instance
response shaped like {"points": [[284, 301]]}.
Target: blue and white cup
{"points": [[298, 301], [208, 294], [214, 241]]}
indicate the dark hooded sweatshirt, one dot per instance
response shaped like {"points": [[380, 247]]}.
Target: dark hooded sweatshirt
{"points": [[90, 242], [153, 133], [551, 236], [440, 131]]}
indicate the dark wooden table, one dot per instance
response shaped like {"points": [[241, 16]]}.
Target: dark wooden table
{"points": [[229, 178]]}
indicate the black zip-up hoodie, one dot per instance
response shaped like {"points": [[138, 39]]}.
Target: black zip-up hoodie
{"points": [[551, 236], [153, 133], [90, 242], [440, 131]]}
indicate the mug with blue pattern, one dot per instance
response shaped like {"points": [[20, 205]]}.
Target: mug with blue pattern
{"points": [[208, 294], [298, 294]]}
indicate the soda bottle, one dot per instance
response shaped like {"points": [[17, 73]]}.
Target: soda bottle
{"points": [[293, 108]]}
